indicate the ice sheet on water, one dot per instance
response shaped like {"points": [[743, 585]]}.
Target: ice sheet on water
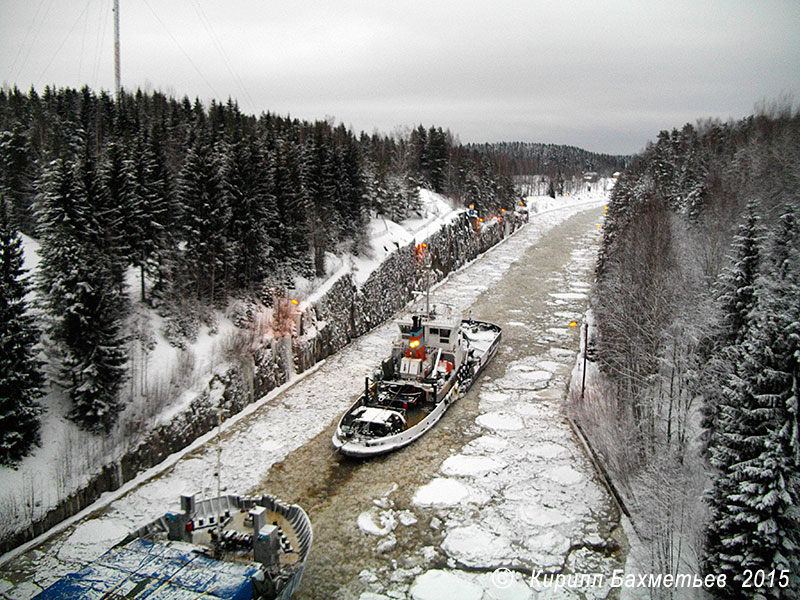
{"points": [[438, 584], [470, 466], [492, 396], [499, 420], [564, 474], [486, 444], [541, 516], [569, 295], [92, 538], [474, 546], [366, 523], [548, 450], [441, 492], [548, 548]]}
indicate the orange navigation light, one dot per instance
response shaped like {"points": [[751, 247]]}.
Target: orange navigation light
{"points": [[573, 323], [295, 302], [502, 210], [480, 220], [413, 344]]}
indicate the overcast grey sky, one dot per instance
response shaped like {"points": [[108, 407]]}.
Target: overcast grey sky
{"points": [[605, 76]]}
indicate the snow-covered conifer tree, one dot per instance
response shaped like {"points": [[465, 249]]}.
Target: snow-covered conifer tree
{"points": [[248, 177], [20, 376], [754, 498], [737, 297], [206, 217], [81, 298]]}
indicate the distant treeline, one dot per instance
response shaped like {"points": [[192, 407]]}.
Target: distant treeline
{"points": [[698, 313], [552, 160]]}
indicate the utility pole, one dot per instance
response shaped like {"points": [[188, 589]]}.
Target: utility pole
{"points": [[585, 350], [116, 48]]}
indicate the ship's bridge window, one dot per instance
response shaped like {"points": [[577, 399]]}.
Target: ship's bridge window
{"points": [[405, 331], [433, 331], [444, 336]]}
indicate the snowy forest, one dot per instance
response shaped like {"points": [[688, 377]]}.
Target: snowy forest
{"points": [[698, 340], [202, 204], [527, 158]]}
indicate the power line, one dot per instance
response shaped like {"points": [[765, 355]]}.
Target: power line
{"points": [[101, 36], [35, 36], [83, 42], [189, 58], [64, 41], [221, 49]]}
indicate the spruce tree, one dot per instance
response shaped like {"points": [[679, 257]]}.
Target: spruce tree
{"points": [[147, 211], [294, 248], [206, 217], [248, 176], [754, 520], [20, 375], [737, 299], [755, 524], [738, 283], [81, 298]]}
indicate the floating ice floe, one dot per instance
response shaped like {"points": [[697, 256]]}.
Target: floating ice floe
{"points": [[470, 466], [568, 295], [500, 421], [558, 330], [437, 584], [476, 547], [366, 523], [487, 396], [549, 365], [91, 538], [547, 450], [440, 492], [549, 548], [406, 518], [535, 376], [564, 474], [529, 410], [541, 516], [486, 444]]}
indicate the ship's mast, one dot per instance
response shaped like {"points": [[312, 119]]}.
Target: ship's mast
{"points": [[116, 48]]}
